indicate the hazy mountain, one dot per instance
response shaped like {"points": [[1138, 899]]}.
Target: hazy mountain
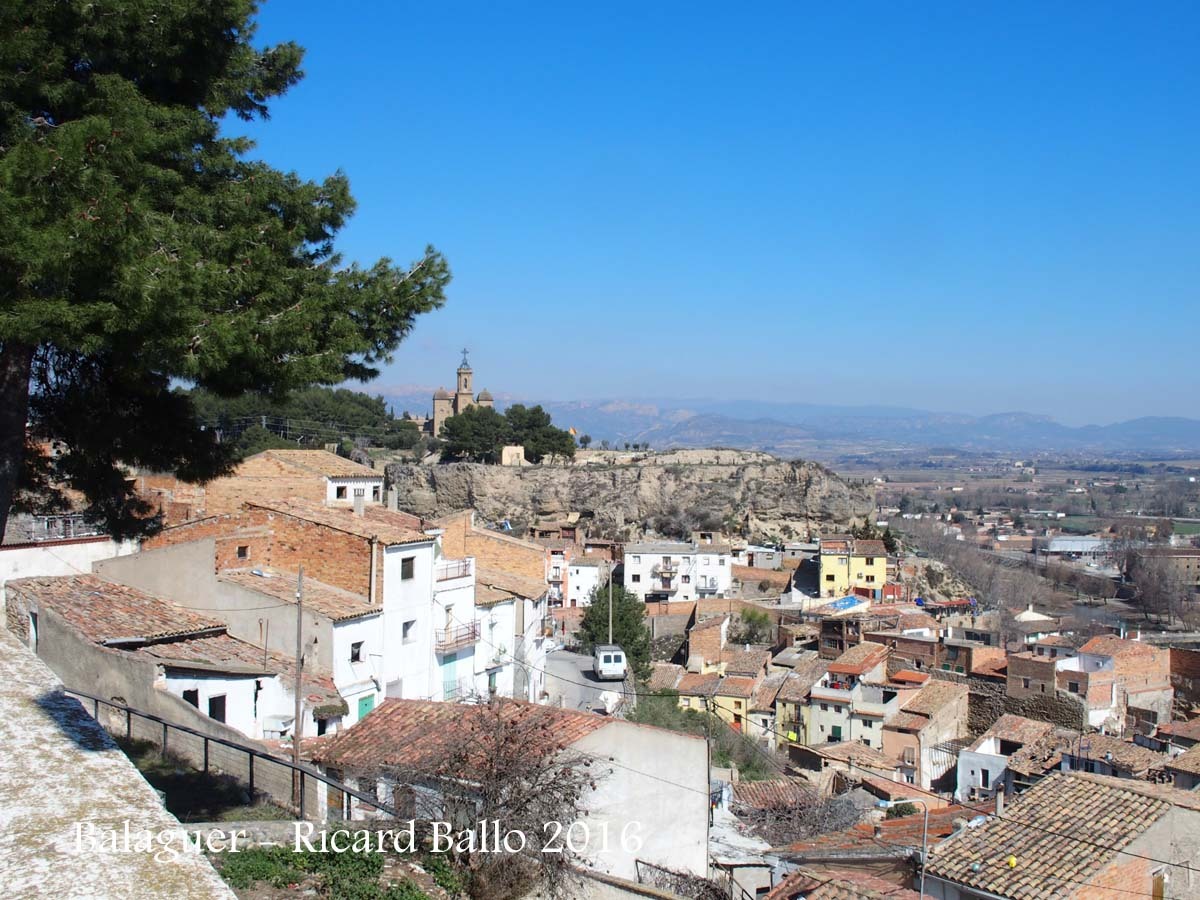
{"points": [[803, 428]]}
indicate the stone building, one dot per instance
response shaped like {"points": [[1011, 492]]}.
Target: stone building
{"points": [[447, 405]]}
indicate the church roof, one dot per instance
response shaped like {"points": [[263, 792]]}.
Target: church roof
{"points": [[442, 394], [485, 394]]}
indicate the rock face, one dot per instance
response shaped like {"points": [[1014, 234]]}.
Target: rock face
{"points": [[771, 498]]}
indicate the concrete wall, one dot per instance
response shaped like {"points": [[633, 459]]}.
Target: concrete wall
{"points": [[183, 573], [68, 557], [123, 678], [658, 789]]}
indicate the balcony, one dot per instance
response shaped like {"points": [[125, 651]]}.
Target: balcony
{"points": [[449, 569], [555, 577], [665, 568], [447, 640]]}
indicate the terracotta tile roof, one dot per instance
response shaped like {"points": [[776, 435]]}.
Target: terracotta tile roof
{"points": [[1189, 729], [837, 884], [333, 602], [908, 675], [498, 585], [1045, 829], [906, 721], [224, 653], [747, 662], [933, 696], [801, 679], [664, 676], [774, 793], [322, 462], [376, 521], [1188, 761], [768, 689], [992, 665], [1018, 729], [858, 753], [418, 733], [713, 622], [736, 686], [1125, 755], [1111, 645], [911, 620], [859, 659], [901, 834], [101, 610], [696, 685]]}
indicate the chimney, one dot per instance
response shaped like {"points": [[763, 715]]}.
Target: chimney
{"points": [[878, 829], [360, 502], [393, 499], [999, 802]]}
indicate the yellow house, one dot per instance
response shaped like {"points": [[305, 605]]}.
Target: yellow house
{"points": [[847, 563]]}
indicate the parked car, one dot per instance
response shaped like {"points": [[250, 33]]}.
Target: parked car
{"points": [[608, 662]]}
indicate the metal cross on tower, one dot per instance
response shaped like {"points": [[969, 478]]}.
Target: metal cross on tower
{"points": [[464, 353]]}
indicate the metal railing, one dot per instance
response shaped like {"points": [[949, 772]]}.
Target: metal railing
{"points": [[447, 639], [301, 774], [459, 568]]}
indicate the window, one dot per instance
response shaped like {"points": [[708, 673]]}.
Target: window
{"points": [[1043, 688], [375, 493], [687, 560], [635, 578], [1073, 687], [870, 560], [356, 651], [721, 561], [870, 579], [407, 566], [192, 697], [865, 741], [1025, 683], [216, 707], [687, 579], [408, 631], [985, 777], [243, 551], [340, 492], [824, 707], [867, 723], [829, 577], [837, 709], [637, 560]]}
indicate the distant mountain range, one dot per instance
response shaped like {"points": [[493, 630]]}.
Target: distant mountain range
{"points": [[818, 431]]}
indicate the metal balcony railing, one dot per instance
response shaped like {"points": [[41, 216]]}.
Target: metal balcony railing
{"points": [[455, 568], [447, 640]]}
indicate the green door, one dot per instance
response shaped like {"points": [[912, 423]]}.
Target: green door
{"points": [[835, 733], [365, 704]]}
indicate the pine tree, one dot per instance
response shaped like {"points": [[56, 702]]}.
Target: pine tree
{"points": [[629, 626], [140, 246]]}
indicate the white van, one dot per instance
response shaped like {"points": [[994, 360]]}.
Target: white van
{"points": [[608, 662]]}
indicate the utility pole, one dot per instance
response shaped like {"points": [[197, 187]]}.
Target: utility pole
{"points": [[296, 722], [610, 601]]}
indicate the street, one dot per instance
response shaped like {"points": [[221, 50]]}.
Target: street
{"points": [[572, 684]]}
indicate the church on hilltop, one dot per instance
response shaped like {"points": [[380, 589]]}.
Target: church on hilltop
{"points": [[447, 405]]}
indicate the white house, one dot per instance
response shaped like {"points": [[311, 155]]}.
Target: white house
{"points": [[511, 654], [677, 571], [649, 803], [586, 573]]}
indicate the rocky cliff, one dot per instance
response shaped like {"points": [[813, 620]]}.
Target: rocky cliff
{"points": [[666, 492]]}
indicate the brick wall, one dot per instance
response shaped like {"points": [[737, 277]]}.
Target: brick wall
{"points": [[498, 551], [283, 542], [1185, 674], [1039, 672]]}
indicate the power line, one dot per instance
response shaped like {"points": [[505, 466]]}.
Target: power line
{"points": [[912, 787]]}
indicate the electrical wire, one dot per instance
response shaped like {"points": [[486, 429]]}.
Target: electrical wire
{"points": [[911, 787]]}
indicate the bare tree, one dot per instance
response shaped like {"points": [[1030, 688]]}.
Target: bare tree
{"points": [[506, 764], [786, 823]]}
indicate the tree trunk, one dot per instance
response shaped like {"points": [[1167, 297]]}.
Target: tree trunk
{"points": [[16, 360]]}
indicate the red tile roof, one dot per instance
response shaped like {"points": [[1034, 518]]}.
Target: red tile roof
{"points": [[418, 733], [736, 686], [333, 602], [837, 884], [322, 462], [103, 611], [901, 834], [774, 793], [859, 659]]}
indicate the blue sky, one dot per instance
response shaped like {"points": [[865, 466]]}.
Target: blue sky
{"points": [[969, 207]]}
